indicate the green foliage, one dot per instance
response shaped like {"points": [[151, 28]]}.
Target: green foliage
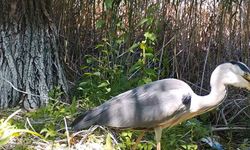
{"points": [[108, 4], [128, 138], [9, 131], [101, 81], [107, 76], [245, 144], [50, 118], [185, 135]]}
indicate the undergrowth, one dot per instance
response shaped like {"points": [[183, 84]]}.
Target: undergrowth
{"points": [[47, 131]]}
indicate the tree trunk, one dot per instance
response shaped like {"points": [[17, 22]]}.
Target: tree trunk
{"points": [[29, 56]]}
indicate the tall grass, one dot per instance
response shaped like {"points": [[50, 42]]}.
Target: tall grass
{"points": [[185, 30]]}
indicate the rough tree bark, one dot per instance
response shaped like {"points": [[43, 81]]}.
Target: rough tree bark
{"points": [[28, 53]]}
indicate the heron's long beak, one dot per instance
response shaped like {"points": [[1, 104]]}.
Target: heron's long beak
{"points": [[247, 77]]}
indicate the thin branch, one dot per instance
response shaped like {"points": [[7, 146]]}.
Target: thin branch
{"points": [[160, 61], [24, 92], [67, 131], [205, 64], [28, 121], [12, 115], [85, 132], [18, 90], [224, 117], [242, 110], [229, 128]]}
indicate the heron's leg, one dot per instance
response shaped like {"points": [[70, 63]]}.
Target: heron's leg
{"points": [[158, 132], [138, 140]]}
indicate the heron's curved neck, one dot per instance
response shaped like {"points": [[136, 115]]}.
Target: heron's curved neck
{"points": [[218, 91], [215, 97]]}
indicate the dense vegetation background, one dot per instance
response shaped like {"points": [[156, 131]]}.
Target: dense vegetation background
{"points": [[109, 46]]}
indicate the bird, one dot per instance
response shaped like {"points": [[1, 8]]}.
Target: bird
{"points": [[164, 103]]}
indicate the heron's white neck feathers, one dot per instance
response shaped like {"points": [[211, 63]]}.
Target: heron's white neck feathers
{"points": [[218, 82]]}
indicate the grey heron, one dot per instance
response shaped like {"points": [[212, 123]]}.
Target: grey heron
{"points": [[164, 103]]}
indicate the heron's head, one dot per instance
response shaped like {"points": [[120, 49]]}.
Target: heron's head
{"points": [[233, 73], [236, 74]]}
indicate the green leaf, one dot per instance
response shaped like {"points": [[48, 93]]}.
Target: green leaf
{"points": [[143, 46], [108, 90], [99, 46], [48, 132], [100, 23], [103, 84], [150, 21], [119, 41], [105, 52], [129, 134], [97, 73], [149, 50], [108, 4], [190, 147], [142, 22], [147, 80], [136, 66], [83, 84], [26, 131], [150, 72], [89, 60], [149, 55], [88, 74], [150, 36], [135, 45], [84, 67]]}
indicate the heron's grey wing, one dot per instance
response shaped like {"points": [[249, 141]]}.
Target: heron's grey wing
{"points": [[142, 107]]}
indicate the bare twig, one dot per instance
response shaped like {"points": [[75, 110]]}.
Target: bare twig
{"points": [[28, 121], [160, 61], [204, 67], [223, 117], [232, 118], [229, 128], [235, 102], [67, 131], [24, 92], [112, 136], [12, 115], [21, 90], [162, 50], [151, 62], [196, 85], [86, 132]]}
